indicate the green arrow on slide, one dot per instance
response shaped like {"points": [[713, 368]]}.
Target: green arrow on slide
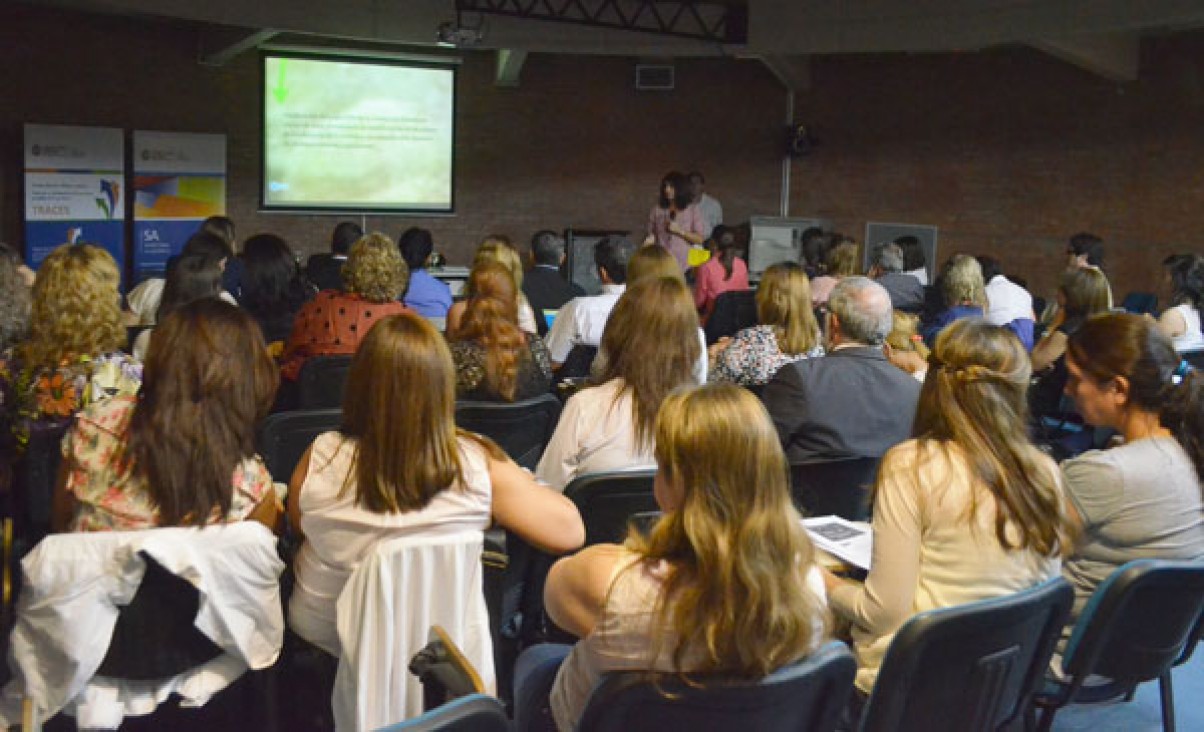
{"points": [[280, 92]]}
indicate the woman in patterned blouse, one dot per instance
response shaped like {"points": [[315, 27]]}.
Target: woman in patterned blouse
{"points": [[72, 355], [787, 333], [335, 322], [495, 360], [183, 452]]}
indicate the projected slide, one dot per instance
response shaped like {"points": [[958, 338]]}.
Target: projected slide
{"points": [[343, 134]]}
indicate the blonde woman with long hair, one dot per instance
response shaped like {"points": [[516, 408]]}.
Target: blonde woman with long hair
{"points": [[651, 345], [498, 249], [724, 583], [400, 467], [964, 293], [969, 508], [72, 356], [787, 331]]}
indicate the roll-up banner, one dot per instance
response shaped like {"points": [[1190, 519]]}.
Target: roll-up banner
{"points": [[179, 181], [74, 181]]}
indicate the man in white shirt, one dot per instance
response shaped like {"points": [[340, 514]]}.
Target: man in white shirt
{"points": [[708, 206], [581, 321], [1008, 304]]}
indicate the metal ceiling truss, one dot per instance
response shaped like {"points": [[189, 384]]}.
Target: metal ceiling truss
{"points": [[717, 22]]}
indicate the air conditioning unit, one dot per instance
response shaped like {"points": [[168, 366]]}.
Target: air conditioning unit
{"points": [[653, 77]]}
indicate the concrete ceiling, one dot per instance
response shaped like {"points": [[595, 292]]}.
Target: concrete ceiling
{"points": [[1102, 36]]}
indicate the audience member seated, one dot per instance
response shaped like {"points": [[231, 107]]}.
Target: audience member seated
{"points": [[905, 348], [398, 468], [143, 301], [325, 271], [967, 510], [1084, 293], [72, 357], [1140, 500], [914, 261], [334, 323], [651, 342], [814, 251], [14, 325], [182, 453], [1083, 251], [582, 320], [427, 295], [495, 361], [497, 248], [787, 331], [690, 597], [1008, 304], [843, 261], [222, 227], [852, 402], [273, 289], [724, 272], [545, 287], [190, 277], [1181, 321], [963, 291], [906, 292]]}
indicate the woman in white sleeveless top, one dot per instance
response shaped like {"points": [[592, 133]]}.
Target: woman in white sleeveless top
{"points": [[1181, 321], [399, 467], [649, 604]]}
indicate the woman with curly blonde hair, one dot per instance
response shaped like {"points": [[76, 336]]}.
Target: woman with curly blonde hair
{"points": [[497, 248], [495, 360], [72, 357], [724, 583], [335, 322]]}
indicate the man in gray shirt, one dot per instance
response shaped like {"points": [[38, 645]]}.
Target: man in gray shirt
{"points": [[906, 292]]}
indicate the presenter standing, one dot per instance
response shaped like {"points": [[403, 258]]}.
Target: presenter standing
{"points": [[674, 222]]}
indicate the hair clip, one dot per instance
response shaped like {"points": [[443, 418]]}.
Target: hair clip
{"points": [[1180, 372]]}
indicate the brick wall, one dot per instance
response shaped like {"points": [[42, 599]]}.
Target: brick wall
{"points": [[1006, 151]]}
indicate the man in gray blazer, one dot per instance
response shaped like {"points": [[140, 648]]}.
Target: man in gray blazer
{"points": [[851, 402]]}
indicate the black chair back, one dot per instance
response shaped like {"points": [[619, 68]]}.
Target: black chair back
{"points": [[473, 713], [155, 636], [522, 429], [609, 501], [1140, 303], [578, 363], [1139, 621], [36, 472], [734, 311], [834, 487], [807, 696], [285, 436], [970, 667], [1195, 358], [322, 381]]}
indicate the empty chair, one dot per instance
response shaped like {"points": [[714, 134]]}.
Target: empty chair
{"points": [[285, 436], [322, 380], [734, 311], [110, 624], [33, 485], [522, 429], [609, 501], [472, 713], [1140, 303], [969, 667], [834, 487], [807, 696], [1139, 623]]}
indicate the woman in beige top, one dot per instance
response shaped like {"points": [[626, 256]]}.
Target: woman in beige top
{"points": [[702, 592], [967, 510]]}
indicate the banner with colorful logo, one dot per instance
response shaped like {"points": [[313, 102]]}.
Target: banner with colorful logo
{"points": [[179, 181], [74, 189]]}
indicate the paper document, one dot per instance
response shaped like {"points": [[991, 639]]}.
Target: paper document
{"points": [[850, 541]]}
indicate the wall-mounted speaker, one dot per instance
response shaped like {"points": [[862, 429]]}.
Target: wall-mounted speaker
{"points": [[653, 77]]}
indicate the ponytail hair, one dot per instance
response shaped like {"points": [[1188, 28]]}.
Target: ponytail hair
{"points": [[1160, 381]]}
